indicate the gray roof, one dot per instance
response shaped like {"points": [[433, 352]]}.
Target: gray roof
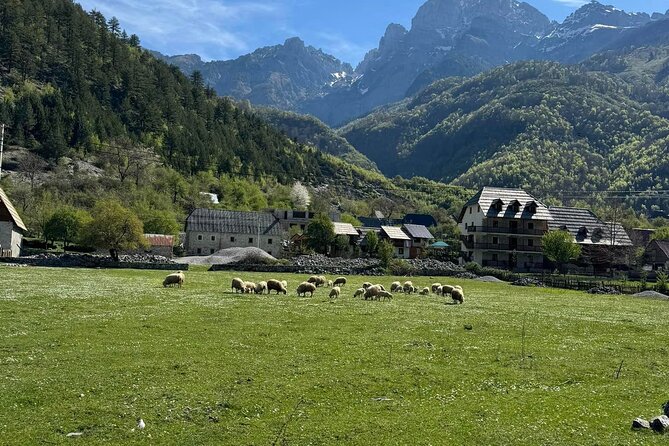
{"points": [[344, 229], [12, 212], [489, 195], [586, 228], [395, 233], [418, 231], [662, 245], [233, 222]]}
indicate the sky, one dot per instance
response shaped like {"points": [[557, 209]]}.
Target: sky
{"points": [[227, 29]]}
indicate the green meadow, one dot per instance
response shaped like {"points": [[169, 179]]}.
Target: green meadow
{"points": [[91, 351]]}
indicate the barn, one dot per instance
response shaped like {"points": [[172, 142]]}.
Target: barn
{"points": [[12, 228]]}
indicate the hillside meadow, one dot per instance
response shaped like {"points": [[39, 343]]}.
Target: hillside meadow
{"points": [[91, 351]]}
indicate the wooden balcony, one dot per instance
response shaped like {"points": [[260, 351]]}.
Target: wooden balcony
{"points": [[498, 230]]}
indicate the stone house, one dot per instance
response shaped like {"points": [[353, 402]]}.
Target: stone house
{"points": [[420, 239], [210, 230], [12, 228]]}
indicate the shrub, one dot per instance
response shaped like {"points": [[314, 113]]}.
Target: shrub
{"points": [[662, 282], [400, 267], [473, 267]]}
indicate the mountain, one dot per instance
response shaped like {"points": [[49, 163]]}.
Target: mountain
{"points": [[283, 76], [587, 31], [307, 129], [446, 38], [539, 125]]}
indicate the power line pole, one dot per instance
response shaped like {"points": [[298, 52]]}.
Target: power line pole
{"points": [[2, 146]]}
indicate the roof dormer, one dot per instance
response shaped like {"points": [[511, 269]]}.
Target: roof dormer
{"points": [[514, 206], [582, 232], [531, 207], [497, 205]]}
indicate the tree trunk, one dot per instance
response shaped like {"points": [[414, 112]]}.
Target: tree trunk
{"points": [[114, 254]]}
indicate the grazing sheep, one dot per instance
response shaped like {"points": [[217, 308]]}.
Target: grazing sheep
{"points": [[395, 286], [334, 293], [425, 291], [380, 286], [372, 292], [174, 279], [275, 285], [249, 287], [329, 284], [439, 291], [238, 285], [317, 280], [458, 295], [284, 283], [366, 285], [408, 287], [306, 287], [384, 295], [261, 287], [446, 289], [359, 292], [340, 281], [435, 286]]}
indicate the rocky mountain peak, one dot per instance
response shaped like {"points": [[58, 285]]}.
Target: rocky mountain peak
{"points": [[595, 13], [394, 35], [294, 44]]}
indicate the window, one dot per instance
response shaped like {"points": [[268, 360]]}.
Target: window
{"points": [[416, 240], [479, 208], [250, 239], [530, 242], [213, 238], [401, 251], [495, 257], [470, 209], [530, 226], [269, 252], [212, 250], [199, 250], [495, 224], [269, 241], [495, 240], [199, 236], [232, 239], [466, 226]]}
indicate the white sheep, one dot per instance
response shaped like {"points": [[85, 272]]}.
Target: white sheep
{"points": [[275, 285], [425, 291], [359, 292], [435, 286], [238, 285], [395, 286], [458, 295], [366, 285], [446, 289], [372, 292], [306, 287], [261, 287], [385, 295], [334, 293], [175, 279], [408, 287], [249, 287]]}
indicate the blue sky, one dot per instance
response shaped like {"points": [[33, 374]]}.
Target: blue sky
{"points": [[226, 29]]}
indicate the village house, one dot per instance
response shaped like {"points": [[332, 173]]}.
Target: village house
{"points": [[159, 245], [420, 239], [502, 228], [399, 239], [604, 245], [209, 230], [12, 228], [657, 254], [352, 236], [298, 220]]}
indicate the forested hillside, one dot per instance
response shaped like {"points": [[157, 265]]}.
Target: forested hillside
{"points": [[539, 125], [92, 115]]}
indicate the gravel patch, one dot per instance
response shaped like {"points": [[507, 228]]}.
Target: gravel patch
{"points": [[529, 281], [652, 295], [231, 256], [603, 290], [489, 279]]}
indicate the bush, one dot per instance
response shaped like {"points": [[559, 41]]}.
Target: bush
{"points": [[400, 267], [473, 267], [385, 253], [662, 282]]}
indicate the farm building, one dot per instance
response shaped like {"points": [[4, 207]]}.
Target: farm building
{"points": [[400, 241], [657, 254], [352, 235], [159, 244], [209, 230], [11, 228]]}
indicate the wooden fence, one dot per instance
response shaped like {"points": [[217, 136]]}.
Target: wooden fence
{"points": [[585, 285]]}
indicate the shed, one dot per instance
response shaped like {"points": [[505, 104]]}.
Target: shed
{"points": [[657, 254], [12, 228]]}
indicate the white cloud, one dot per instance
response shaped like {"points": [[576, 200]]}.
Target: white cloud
{"points": [[573, 3], [215, 29]]}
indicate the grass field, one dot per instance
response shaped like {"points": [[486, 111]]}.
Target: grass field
{"points": [[91, 351]]}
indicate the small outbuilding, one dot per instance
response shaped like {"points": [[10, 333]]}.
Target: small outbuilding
{"points": [[657, 254], [12, 228]]}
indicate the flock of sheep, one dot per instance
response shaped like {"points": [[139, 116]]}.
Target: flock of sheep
{"points": [[368, 291]]}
